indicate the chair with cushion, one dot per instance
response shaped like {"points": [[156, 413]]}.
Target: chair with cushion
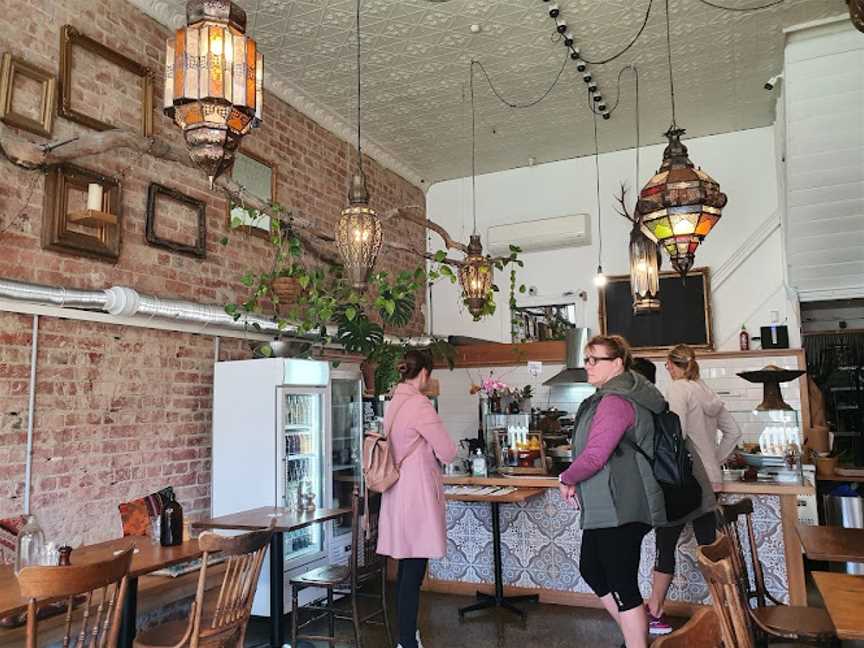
{"points": [[93, 622], [365, 567], [776, 620], [703, 630], [218, 617]]}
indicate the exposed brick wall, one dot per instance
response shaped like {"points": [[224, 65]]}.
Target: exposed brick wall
{"points": [[121, 412]]}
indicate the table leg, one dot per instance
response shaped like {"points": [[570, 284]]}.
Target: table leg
{"points": [[277, 590], [498, 599], [129, 615]]}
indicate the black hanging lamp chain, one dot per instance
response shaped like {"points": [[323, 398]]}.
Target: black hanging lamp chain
{"points": [[597, 174], [473, 149], [359, 150], [669, 59]]}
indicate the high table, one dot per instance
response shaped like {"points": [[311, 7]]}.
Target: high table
{"points": [[832, 544], [498, 599], [285, 521], [844, 599], [148, 558]]}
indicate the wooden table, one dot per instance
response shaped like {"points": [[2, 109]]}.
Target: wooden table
{"points": [[844, 599], [149, 558], [831, 543], [285, 521], [498, 599]]}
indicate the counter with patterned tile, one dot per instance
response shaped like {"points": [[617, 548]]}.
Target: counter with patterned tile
{"points": [[541, 542]]}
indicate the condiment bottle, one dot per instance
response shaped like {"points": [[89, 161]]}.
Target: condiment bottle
{"points": [[744, 339]]}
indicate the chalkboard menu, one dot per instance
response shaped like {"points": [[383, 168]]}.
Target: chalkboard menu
{"points": [[684, 316]]}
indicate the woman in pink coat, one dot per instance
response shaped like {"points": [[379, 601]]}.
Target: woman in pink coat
{"points": [[412, 526]]}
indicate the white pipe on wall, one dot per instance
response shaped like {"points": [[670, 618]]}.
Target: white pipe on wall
{"points": [[31, 411]]}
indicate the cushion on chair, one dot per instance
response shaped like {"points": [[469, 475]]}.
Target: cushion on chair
{"points": [[323, 576], [796, 620], [136, 514]]}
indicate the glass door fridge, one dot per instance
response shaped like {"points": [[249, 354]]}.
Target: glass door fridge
{"points": [[301, 416], [346, 421]]}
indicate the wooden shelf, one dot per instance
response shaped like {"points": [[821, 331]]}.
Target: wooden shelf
{"points": [[91, 218]]}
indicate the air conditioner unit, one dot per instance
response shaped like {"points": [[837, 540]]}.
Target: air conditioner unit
{"points": [[542, 234]]}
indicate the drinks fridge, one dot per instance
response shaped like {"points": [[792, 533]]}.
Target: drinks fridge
{"points": [[287, 433]]}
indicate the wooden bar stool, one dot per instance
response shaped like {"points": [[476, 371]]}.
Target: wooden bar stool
{"points": [[217, 620], [95, 592]]}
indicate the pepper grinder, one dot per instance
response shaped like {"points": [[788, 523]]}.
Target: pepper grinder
{"points": [[65, 556]]}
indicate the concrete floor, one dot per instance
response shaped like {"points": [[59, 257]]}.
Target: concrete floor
{"points": [[547, 626]]}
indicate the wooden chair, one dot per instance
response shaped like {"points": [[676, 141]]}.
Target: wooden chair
{"points": [[103, 586], [217, 619], [365, 566], [775, 620], [703, 630]]}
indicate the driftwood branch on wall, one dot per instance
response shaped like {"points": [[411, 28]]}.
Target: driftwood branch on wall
{"points": [[31, 156]]}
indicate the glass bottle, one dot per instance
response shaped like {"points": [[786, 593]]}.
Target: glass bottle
{"points": [[171, 531], [744, 339], [30, 544]]}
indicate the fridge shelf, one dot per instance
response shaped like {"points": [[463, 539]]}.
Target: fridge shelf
{"points": [[345, 467], [303, 455], [300, 429], [343, 438]]}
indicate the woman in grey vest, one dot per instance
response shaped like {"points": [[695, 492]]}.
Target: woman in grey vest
{"points": [[613, 484]]}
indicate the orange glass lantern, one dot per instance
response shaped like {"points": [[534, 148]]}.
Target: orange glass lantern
{"points": [[680, 205], [213, 83]]}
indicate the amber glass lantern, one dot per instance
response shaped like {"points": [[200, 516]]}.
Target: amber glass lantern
{"points": [[680, 205], [475, 276], [644, 272], [358, 233], [213, 83]]}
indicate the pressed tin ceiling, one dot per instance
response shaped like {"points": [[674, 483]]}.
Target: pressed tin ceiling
{"points": [[417, 53]]}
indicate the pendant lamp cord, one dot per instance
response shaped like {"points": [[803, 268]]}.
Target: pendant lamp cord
{"points": [[473, 150], [669, 59], [359, 150], [597, 173]]}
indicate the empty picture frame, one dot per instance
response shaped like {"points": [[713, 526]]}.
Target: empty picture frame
{"points": [[71, 38], [154, 192], [257, 176], [40, 101], [66, 191]]}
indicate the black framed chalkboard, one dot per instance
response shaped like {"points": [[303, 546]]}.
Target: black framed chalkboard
{"points": [[684, 317]]}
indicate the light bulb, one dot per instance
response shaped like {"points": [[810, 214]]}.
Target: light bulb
{"points": [[600, 278]]}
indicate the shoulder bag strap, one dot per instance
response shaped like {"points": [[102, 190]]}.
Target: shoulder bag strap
{"points": [[389, 429]]}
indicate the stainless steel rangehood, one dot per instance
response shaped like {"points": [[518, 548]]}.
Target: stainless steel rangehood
{"points": [[574, 372]]}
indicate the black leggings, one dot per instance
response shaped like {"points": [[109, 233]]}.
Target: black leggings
{"points": [[705, 528], [408, 582], [609, 562]]}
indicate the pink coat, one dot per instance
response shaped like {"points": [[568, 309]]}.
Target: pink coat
{"points": [[412, 523]]}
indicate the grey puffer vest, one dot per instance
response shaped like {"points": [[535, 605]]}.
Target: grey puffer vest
{"points": [[624, 490]]}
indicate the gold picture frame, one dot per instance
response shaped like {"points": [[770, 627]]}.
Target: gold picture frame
{"points": [[57, 235], [253, 172], [10, 68], [672, 280], [70, 38]]}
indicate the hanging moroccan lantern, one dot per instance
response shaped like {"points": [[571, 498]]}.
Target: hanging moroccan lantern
{"points": [[681, 204], [476, 277], [644, 272], [358, 233], [213, 83]]}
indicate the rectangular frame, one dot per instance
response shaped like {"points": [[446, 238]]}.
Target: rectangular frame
{"points": [[11, 67], [706, 280], [71, 37], [153, 192], [56, 235], [250, 228]]}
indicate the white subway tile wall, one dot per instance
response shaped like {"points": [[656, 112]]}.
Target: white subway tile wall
{"points": [[459, 408]]}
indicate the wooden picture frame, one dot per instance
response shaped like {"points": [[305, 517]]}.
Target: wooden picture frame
{"points": [[12, 67], [697, 325], [199, 249], [248, 170], [70, 38], [57, 235]]}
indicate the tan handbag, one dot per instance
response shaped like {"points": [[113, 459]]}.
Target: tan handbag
{"points": [[380, 470]]}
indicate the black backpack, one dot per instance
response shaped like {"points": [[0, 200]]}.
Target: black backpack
{"points": [[672, 465]]}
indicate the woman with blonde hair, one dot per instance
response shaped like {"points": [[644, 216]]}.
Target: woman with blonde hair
{"points": [[702, 414]]}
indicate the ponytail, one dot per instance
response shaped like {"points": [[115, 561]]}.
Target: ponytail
{"points": [[683, 357]]}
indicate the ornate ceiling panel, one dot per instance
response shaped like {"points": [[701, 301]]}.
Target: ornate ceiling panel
{"points": [[417, 55]]}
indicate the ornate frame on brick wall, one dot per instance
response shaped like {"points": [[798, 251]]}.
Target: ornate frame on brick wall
{"points": [[69, 39], [9, 69], [199, 249], [257, 230], [104, 243]]}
